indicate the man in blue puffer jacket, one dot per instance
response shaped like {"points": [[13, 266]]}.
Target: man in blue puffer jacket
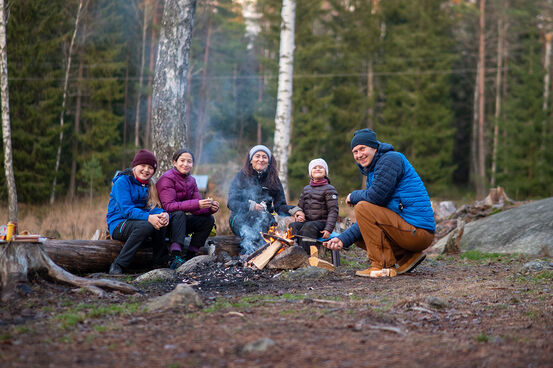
{"points": [[395, 221]]}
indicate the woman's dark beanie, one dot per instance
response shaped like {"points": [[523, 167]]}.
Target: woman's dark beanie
{"points": [[145, 157], [177, 154], [365, 137]]}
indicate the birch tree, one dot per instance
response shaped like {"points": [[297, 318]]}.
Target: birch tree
{"points": [[6, 130], [284, 94], [141, 75], [169, 129], [64, 99]]}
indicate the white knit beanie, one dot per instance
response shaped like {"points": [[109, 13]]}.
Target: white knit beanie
{"points": [[318, 161], [258, 148]]}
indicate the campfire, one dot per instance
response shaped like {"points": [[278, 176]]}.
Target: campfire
{"points": [[281, 244]]}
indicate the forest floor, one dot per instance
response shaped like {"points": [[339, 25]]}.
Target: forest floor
{"points": [[451, 311]]}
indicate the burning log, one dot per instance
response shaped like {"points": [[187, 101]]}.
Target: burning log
{"points": [[264, 257], [288, 259]]}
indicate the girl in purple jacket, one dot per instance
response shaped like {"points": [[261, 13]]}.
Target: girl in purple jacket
{"points": [[179, 195]]}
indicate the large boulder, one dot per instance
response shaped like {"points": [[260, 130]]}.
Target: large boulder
{"points": [[526, 229]]}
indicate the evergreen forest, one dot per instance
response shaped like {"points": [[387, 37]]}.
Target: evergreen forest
{"points": [[461, 87]]}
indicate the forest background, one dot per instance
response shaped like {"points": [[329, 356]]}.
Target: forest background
{"points": [[407, 69]]}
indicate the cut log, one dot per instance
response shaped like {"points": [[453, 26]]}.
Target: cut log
{"points": [[321, 263], [88, 256], [264, 257], [289, 259], [314, 251], [18, 261]]}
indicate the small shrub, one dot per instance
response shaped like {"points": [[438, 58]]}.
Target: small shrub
{"points": [[483, 337]]}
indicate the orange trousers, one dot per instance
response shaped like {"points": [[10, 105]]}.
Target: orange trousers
{"points": [[386, 236]]}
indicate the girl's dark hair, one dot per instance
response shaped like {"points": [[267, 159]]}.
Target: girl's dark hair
{"points": [[177, 154], [272, 173]]}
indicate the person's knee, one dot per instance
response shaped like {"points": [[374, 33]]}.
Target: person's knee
{"points": [[364, 208], [144, 228], [178, 216]]}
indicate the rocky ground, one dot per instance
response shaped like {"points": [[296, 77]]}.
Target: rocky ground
{"points": [[474, 310]]}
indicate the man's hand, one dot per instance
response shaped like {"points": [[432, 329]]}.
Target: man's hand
{"points": [[299, 216], [348, 201], [214, 206], [334, 244], [326, 234]]}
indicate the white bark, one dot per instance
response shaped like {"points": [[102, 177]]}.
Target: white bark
{"points": [[546, 83], [6, 130], [64, 99], [284, 95], [169, 94]]}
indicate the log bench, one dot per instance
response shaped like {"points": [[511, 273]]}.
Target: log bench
{"points": [[88, 256]]}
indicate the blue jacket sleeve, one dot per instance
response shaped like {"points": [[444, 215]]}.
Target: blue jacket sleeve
{"points": [[387, 173], [122, 190], [350, 236]]}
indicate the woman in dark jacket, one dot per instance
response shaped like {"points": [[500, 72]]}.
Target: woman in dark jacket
{"points": [[254, 194], [179, 195]]}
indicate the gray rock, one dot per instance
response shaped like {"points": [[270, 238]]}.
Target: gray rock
{"points": [[259, 346], [536, 265], [306, 273], [443, 209], [195, 262], [183, 297], [436, 302], [527, 229], [156, 275]]}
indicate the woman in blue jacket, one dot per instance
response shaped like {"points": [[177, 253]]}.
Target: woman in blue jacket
{"points": [[135, 214]]}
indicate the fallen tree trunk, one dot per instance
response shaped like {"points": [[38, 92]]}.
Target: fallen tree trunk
{"points": [[87, 256], [21, 260]]}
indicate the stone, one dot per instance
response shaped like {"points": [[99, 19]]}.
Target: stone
{"points": [[526, 229], [156, 275], [443, 209], [197, 261], [436, 302], [536, 265], [183, 297], [259, 346]]}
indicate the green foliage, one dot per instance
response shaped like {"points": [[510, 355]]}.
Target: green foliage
{"points": [[483, 337]]}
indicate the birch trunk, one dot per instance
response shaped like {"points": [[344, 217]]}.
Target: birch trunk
{"points": [[64, 99], [141, 76], [284, 94], [546, 84], [500, 37], [168, 99], [6, 130], [481, 174]]}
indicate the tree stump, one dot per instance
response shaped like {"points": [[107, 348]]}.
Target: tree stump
{"points": [[20, 260]]}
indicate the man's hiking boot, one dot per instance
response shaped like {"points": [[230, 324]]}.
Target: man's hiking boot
{"points": [[115, 269], [376, 272], [176, 260], [409, 262]]}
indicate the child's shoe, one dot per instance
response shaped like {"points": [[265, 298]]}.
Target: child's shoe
{"points": [[176, 260]]}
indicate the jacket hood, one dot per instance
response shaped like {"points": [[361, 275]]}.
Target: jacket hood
{"points": [[120, 173], [382, 149]]}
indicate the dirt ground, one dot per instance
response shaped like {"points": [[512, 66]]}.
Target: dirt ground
{"points": [[450, 312]]}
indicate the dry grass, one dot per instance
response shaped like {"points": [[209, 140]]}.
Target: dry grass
{"points": [[81, 218]]}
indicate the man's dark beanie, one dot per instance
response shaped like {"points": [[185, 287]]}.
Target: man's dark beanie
{"points": [[145, 157], [365, 137]]}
